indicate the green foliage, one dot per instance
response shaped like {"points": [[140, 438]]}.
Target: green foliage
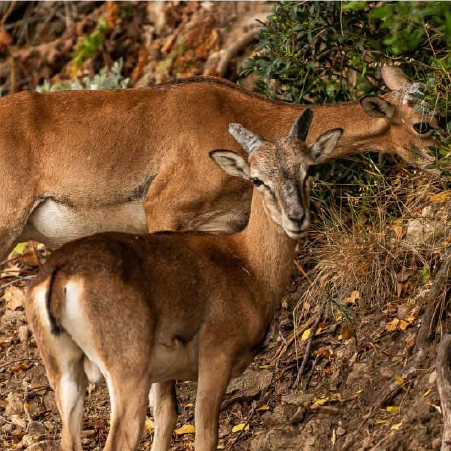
{"points": [[105, 79], [324, 52], [89, 46]]}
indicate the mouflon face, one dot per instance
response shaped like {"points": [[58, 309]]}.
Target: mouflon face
{"points": [[279, 170]]}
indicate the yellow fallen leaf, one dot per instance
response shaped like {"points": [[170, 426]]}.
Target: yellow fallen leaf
{"points": [[306, 334], [403, 325], [240, 427], [393, 409], [263, 409], [400, 381], [427, 393], [264, 367], [411, 318], [185, 429], [20, 248], [440, 197], [392, 325], [320, 328], [351, 299], [339, 315], [319, 402], [396, 426], [148, 425], [398, 229], [381, 421]]}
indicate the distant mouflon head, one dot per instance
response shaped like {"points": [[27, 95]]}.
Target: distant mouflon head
{"points": [[280, 169]]}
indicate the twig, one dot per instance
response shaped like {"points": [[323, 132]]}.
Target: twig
{"points": [[301, 270], [18, 279], [443, 368], [281, 351], [310, 341], [17, 361]]}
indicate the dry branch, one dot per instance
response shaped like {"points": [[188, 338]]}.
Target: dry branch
{"points": [[231, 51], [443, 368]]}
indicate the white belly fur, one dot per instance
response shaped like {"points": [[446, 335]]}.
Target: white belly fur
{"points": [[54, 224]]}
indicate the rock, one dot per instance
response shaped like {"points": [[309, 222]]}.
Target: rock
{"points": [[300, 400], [18, 421], [250, 384], [15, 405], [421, 230], [357, 375], [45, 445]]}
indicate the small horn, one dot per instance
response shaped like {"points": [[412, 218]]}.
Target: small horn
{"points": [[248, 140], [394, 77], [301, 126]]}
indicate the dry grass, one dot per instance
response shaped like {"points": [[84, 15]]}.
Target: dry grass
{"points": [[367, 243]]}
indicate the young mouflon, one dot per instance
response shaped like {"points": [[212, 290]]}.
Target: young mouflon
{"points": [[145, 311]]}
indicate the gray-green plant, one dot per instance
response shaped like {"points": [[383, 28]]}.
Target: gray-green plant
{"points": [[106, 79]]}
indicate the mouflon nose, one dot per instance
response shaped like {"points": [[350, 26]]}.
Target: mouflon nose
{"points": [[298, 220]]}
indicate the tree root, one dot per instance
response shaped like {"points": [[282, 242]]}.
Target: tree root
{"points": [[430, 299], [443, 368]]}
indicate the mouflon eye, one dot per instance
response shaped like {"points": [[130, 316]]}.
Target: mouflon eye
{"points": [[422, 127], [311, 171], [257, 182]]}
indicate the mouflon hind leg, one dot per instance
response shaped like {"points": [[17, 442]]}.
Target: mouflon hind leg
{"points": [[164, 413], [63, 361], [129, 398]]}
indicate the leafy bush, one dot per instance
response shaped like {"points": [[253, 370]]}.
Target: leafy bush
{"points": [[322, 52], [325, 52], [105, 79]]}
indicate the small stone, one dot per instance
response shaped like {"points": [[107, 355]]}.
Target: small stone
{"points": [[18, 421], [46, 445], [340, 431], [23, 333], [15, 404]]}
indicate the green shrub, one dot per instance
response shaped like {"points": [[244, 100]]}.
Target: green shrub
{"points": [[323, 52]]}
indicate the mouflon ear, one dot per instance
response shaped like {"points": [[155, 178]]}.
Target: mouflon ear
{"points": [[301, 126], [248, 141], [377, 107], [230, 162], [323, 146], [394, 77]]}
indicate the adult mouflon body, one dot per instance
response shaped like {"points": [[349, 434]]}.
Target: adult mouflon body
{"points": [[77, 163], [152, 309]]}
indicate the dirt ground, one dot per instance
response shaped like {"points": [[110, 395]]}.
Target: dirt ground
{"points": [[368, 388], [369, 383]]}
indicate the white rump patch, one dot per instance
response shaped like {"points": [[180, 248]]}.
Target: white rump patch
{"points": [[77, 324]]}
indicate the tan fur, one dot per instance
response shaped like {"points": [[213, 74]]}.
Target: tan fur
{"points": [[76, 163], [171, 306]]}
